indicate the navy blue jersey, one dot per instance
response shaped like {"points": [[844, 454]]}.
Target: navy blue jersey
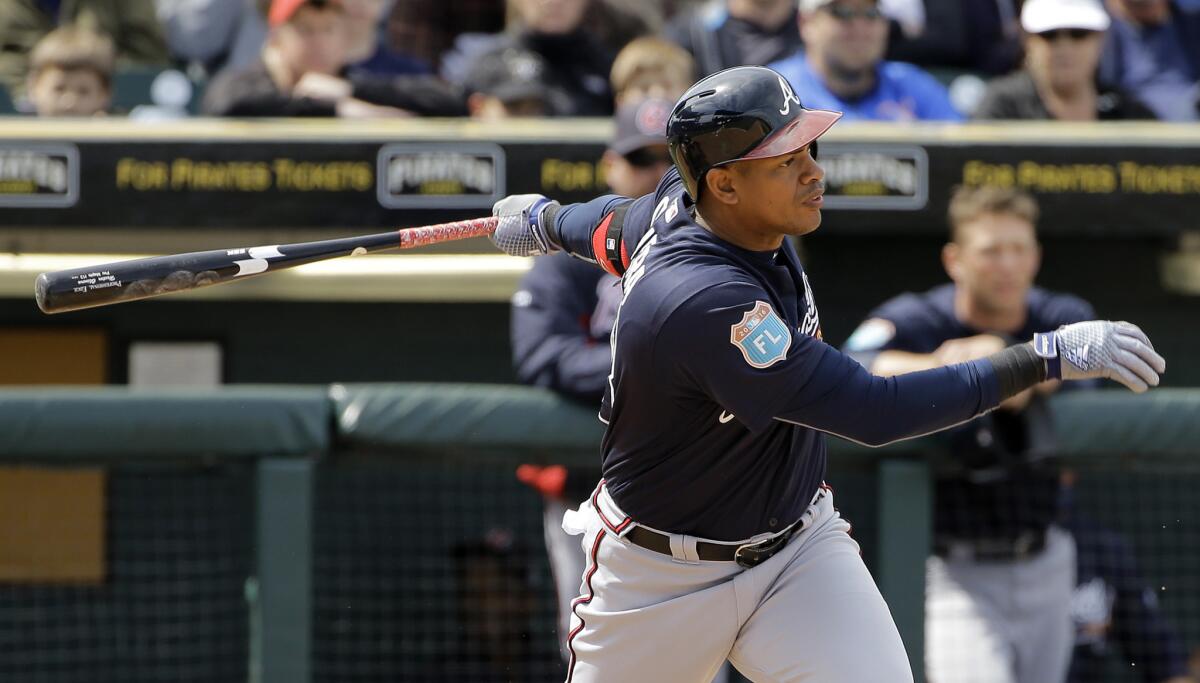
{"points": [[1116, 612], [920, 323], [721, 386], [562, 317], [1005, 487]]}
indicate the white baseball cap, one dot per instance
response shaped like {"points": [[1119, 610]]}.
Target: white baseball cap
{"points": [[1038, 16]]}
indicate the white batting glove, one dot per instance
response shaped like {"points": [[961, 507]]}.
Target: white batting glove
{"points": [[1099, 348], [524, 228]]}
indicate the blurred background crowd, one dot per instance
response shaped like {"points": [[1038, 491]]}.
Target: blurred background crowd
{"points": [[874, 59]]}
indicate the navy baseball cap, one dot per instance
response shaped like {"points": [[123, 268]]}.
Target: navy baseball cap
{"points": [[641, 124], [510, 75]]}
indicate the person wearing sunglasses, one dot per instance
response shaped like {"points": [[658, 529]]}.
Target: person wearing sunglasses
{"points": [[842, 67], [1063, 43]]}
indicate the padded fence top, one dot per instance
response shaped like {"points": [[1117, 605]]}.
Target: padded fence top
{"points": [[473, 416], [1162, 422], [85, 423], [424, 416]]}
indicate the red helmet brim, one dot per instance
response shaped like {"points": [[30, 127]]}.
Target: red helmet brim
{"points": [[810, 125]]}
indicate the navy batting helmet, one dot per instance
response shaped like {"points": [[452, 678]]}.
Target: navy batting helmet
{"points": [[747, 112]]}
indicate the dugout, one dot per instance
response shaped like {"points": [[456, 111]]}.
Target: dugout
{"points": [[1117, 225]]}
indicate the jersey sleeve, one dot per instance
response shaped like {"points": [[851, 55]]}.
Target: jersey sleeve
{"points": [[1064, 309], [891, 326], [606, 230], [887, 326], [730, 345], [551, 347]]}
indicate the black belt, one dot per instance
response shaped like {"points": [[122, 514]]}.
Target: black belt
{"points": [[746, 555], [1023, 545]]}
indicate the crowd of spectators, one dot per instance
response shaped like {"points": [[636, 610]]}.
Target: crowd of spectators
{"points": [[897, 60]]}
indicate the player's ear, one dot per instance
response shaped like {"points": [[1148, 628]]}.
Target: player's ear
{"points": [[950, 256], [718, 183], [607, 160]]}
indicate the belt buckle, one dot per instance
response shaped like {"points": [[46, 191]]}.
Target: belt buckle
{"points": [[754, 554]]}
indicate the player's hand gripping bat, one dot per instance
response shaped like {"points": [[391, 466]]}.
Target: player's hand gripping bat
{"points": [[110, 283]]}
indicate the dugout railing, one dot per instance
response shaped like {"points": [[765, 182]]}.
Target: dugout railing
{"points": [[377, 533]]}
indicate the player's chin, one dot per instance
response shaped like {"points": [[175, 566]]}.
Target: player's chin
{"points": [[807, 223]]}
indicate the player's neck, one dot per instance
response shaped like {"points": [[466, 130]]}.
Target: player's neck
{"points": [[716, 221], [978, 317], [1073, 103]]}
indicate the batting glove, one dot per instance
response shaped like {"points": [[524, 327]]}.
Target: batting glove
{"points": [[1099, 348], [526, 225]]}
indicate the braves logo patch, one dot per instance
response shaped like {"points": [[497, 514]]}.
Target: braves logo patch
{"points": [[762, 336]]}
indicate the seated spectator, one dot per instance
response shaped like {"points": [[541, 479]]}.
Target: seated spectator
{"points": [[70, 73], [132, 27], [369, 54], [616, 23], [1153, 53], [1063, 41], [302, 73], [977, 35], [637, 158], [576, 62], [842, 67], [511, 85], [428, 28], [730, 33], [213, 34], [651, 67]]}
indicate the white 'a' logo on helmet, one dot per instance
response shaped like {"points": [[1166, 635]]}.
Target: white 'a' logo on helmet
{"points": [[788, 96]]}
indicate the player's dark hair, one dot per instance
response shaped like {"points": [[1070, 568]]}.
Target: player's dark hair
{"points": [[969, 203]]}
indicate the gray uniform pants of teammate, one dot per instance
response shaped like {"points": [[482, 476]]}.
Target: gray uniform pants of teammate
{"points": [[810, 614], [1001, 622]]}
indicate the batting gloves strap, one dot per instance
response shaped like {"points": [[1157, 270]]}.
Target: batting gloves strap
{"points": [[1099, 348], [525, 227]]}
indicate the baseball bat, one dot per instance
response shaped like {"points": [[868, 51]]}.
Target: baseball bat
{"points": [[110, 283]]}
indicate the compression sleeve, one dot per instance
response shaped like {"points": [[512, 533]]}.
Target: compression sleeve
{"points": [[605, 230]]}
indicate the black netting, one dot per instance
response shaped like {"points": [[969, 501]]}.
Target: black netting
{"points": [[1125, 534], [172, 607], [429, 572]]}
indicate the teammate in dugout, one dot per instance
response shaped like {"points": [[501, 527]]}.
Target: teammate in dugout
{"points": [[712, 535], [562, 316], [998, 587]]}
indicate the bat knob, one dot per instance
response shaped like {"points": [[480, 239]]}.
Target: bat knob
{"points": [[40, 285]]}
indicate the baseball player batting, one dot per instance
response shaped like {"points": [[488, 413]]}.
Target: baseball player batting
{"points": [[712, 534]]}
